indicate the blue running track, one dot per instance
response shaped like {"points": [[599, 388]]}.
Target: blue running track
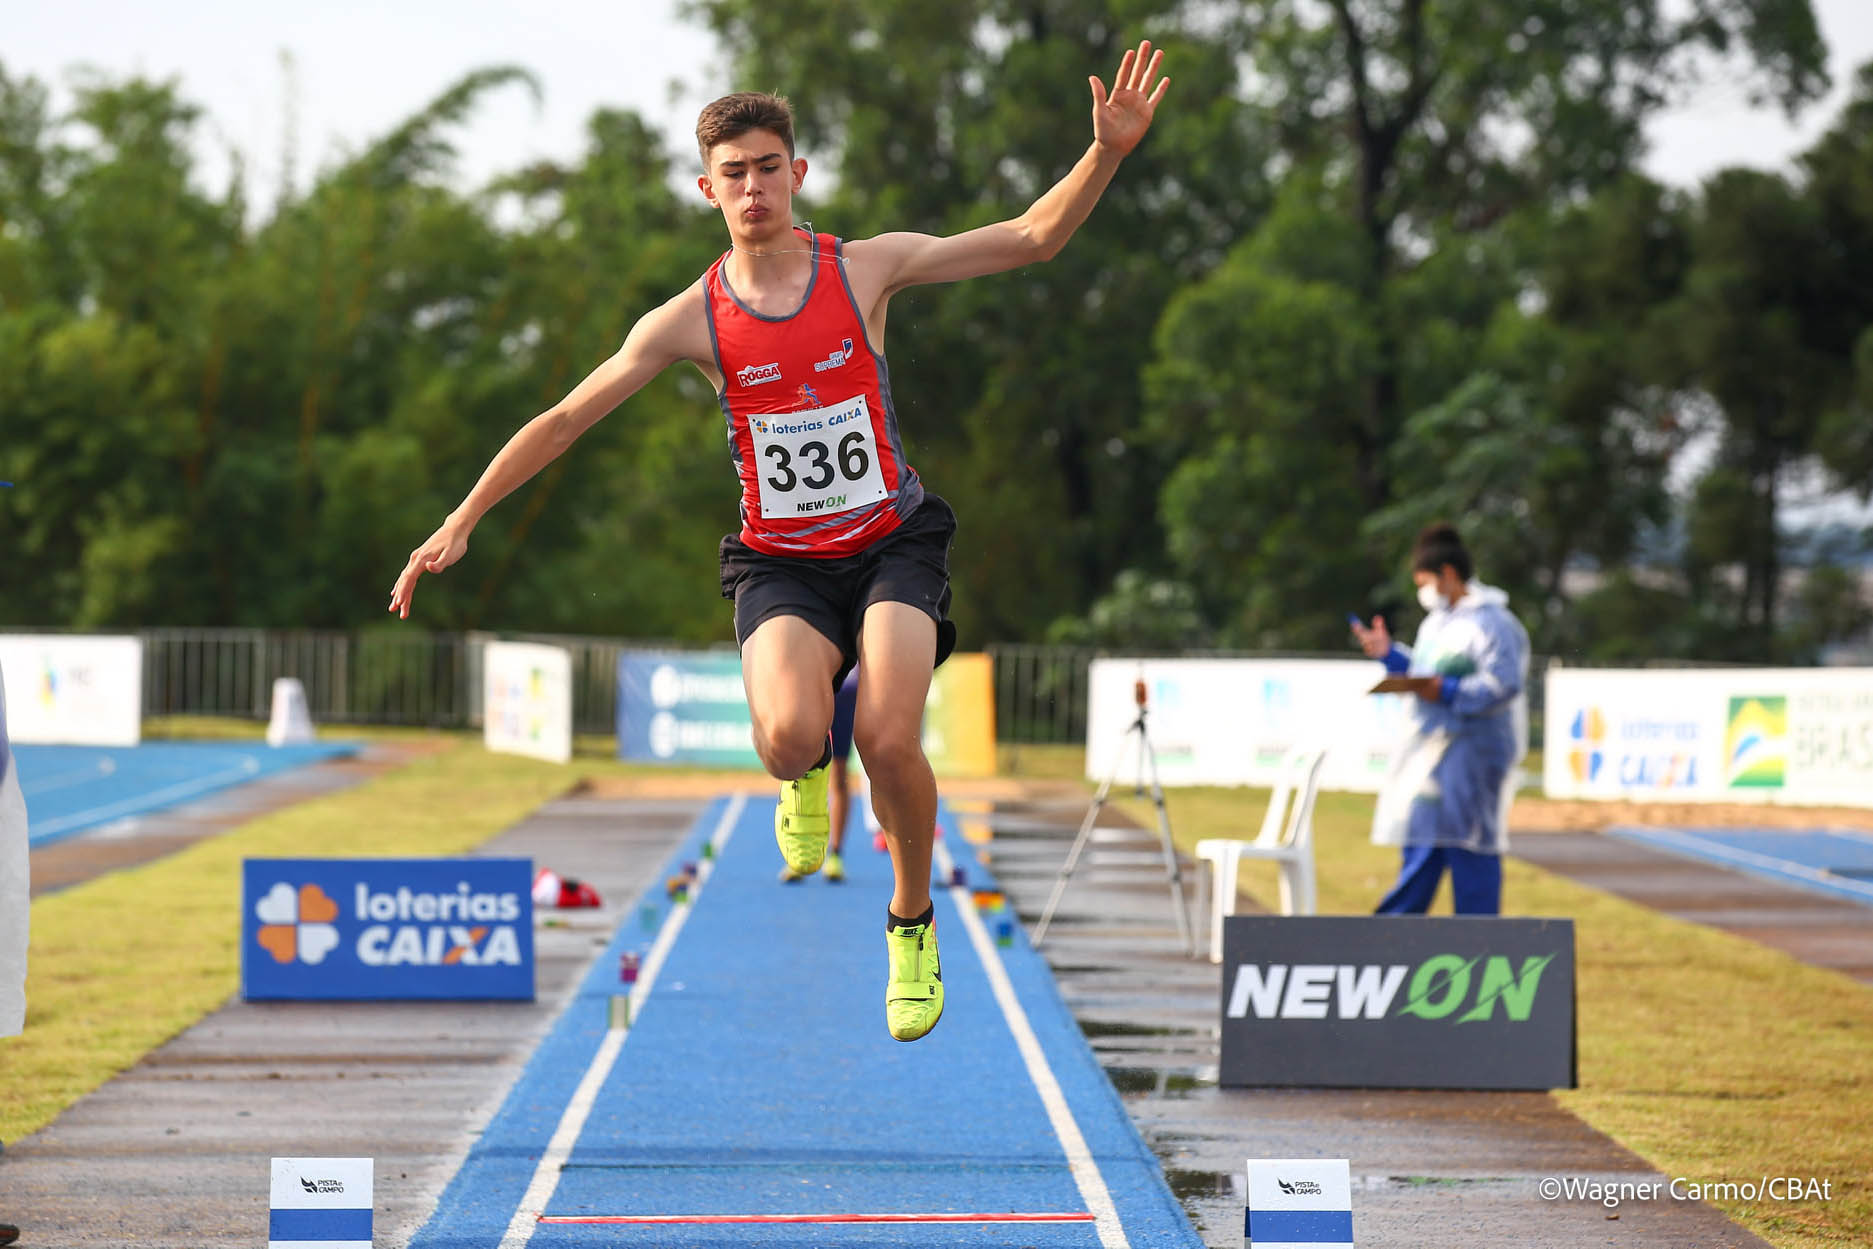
{"points": [[1837, 862], [757, 1079], [72, 788]]}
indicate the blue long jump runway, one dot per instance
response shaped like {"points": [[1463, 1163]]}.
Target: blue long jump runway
{"points": [[69, 789], [757, 1100], [1832, 861]]}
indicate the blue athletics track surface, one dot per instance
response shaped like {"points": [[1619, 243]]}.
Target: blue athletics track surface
{"points": [[69, 789], [755, 1098], [1832, 861]]}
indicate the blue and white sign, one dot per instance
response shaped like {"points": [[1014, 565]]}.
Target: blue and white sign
{"points": [[1298, 1203], [684, 707], [320, 1203], [355, 929]]}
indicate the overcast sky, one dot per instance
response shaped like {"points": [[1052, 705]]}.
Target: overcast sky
{"points": [[361, 67]]}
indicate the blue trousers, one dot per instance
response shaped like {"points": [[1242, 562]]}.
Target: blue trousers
{"points": [[1475, 881]]}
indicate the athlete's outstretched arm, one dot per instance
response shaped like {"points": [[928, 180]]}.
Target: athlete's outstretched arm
{"points": [[1119, 122], [653, 344]]}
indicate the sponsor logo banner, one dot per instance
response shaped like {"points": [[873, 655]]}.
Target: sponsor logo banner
{"points": [[1755, 743], [354, 929], [526, 700], [1233, 721], [685, 708], [1795, 735], [689, 707], [1398, 1002], [959, 717], [73, 690]]}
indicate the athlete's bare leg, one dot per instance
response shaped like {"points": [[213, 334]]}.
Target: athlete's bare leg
{"points": [[787, 666], [838, 803], [897, 653]]}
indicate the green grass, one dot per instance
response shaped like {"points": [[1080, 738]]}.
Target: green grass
{"points": [[1712, 1056]]}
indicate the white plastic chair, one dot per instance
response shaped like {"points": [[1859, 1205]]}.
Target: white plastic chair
{"points": [[1286, 838]]}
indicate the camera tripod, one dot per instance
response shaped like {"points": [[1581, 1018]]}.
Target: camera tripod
{"points": [[1147, 763]]}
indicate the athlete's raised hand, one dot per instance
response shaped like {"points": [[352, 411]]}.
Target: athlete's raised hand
{"points": [[444, 547], [1121, 119]]}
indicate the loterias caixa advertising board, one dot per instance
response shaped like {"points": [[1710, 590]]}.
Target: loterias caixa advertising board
{"points": [[358, 929], [1465, 1002]]}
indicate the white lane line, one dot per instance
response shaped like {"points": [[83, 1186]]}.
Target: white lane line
{"points": [[1789, 870], [249, 767], [1085, 1169], [572, 1122], [37, 786]]}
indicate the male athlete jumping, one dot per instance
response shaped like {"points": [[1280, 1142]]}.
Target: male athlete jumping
{"points": [[842, 557]]}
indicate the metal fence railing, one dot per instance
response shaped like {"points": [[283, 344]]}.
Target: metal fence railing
{"points": [[397, 676], [365, 677]]}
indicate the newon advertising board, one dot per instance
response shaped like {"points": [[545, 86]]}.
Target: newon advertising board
{"points": [[1460, 1002]]}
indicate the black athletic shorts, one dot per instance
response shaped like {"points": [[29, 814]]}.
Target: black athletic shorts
{"points": [[908, 565]]}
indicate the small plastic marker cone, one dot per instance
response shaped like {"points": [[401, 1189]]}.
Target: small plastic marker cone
{"points": [[708, 850], [627, 968]]}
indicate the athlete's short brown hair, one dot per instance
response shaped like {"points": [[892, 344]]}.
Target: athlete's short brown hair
{"points": [[735, 115]]}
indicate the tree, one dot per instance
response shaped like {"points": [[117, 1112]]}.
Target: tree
{"points": [[1839, 172], [1451, 117], [1744, 336], [1466, 215]]}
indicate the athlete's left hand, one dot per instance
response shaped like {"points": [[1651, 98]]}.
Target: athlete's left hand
{"points": [[1121, 119]]}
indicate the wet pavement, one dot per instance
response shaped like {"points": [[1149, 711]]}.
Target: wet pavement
{"points": [[1443, 1170]]}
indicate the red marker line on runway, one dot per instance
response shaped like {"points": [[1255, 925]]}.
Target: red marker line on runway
{"points": [[1008, 1217]]}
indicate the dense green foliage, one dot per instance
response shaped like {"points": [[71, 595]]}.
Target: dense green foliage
{"points": [[1379, 261]]}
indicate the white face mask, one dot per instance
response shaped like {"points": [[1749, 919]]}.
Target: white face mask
{"points": [[1430, 598]]}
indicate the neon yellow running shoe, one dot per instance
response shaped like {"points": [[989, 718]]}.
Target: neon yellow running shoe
{"points": [[913, 1000], [835, 867], [801, 824]]}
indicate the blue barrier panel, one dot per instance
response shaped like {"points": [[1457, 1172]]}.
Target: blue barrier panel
{"points": [[684, 707], [353, 929]]}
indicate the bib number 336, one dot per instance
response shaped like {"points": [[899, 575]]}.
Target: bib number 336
{"points": [[818, 462]]}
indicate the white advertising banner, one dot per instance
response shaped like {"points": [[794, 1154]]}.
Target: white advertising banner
{"points": [[526, 693], [73, 690], [1232, 721], [1787, 735]]}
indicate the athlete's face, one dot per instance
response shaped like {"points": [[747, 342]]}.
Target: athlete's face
{"points": [[751, 180]]}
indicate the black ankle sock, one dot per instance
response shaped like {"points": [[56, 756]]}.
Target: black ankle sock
{"points": [[894, 920], [825, 755]]}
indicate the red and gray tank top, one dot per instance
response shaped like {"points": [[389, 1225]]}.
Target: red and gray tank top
{"points": [[810, 421]]}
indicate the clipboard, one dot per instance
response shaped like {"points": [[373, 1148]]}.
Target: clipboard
{"points": [[1399, 685]]}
